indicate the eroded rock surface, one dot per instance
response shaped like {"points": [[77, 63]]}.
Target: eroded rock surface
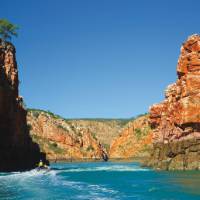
{"points": [[17, 151], [63, 139], [134, 140], [176, 121]]}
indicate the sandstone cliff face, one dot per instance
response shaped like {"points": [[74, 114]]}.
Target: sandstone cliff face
{"points": [[105, 130], [134, 141], [63, 139], [17, 151], [176, 121]]}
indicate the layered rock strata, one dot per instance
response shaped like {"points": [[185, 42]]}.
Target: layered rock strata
{"points": [[17, 151], [176, 121], [134, 140], [63, 139]]}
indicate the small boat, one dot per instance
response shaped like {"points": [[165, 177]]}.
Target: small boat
{"points": [[43, 168]]}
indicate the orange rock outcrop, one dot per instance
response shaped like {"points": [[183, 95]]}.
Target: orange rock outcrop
{"points": [[176, 121], [17, 151], [61, 139], [133, 141]]}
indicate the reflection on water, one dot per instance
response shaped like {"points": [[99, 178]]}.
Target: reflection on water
{"points": [[187, 180]]}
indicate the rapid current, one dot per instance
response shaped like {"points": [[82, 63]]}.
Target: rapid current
{"points": [[99, 181]]}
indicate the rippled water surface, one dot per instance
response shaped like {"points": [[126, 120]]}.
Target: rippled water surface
{"points": [[97, 181]]}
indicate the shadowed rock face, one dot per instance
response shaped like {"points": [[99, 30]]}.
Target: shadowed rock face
{"points": [[176, 121], [17, 151]]}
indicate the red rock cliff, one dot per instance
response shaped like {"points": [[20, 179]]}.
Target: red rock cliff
{"points": [[17, 151], [176, 121], [134, 141], [64, 139]]}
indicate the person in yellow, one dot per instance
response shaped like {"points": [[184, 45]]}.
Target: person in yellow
{"points": [[40, 164]]}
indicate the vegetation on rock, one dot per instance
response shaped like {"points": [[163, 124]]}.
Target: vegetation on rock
{"points": [[7, 30], [78, 138], [134, 140]]}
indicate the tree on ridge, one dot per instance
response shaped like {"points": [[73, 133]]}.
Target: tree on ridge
{"points": [[7, 30]]}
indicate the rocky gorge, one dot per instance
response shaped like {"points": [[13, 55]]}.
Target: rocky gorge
{"points": [[89, 139], [17, 150], [167, 138], [27, 137], [176, 120]]}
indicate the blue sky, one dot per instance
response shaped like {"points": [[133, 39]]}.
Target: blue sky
{"points": [[98, 58]]}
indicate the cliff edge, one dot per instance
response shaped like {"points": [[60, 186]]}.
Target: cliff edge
{"points": [[176, 121], [17, 151]]}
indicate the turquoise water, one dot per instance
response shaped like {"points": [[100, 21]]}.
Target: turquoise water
{"points": [[100, 181]]}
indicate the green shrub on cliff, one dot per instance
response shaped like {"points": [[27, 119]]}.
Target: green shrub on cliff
{"points": [[54, 147], [140, 132], [94, 135], [7, 30], [90, 148], [61, 127], [37, 112], [106, 146]]}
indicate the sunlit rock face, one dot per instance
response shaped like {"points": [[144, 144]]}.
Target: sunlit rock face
{"points": [[134, 141], [62, 139], [176, 121], [17, 151]]}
